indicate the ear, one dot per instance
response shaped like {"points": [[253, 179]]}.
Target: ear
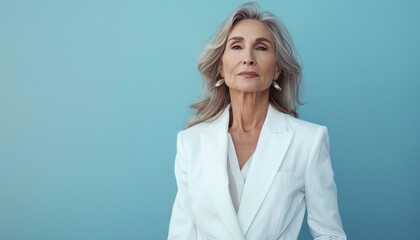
{"points": [[222, 74], [277, 72]]}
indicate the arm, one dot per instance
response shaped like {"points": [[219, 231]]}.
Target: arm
{"points": [[181, 225], [321, 192]]}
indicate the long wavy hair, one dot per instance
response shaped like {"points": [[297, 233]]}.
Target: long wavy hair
{"points": [[216, 99]]}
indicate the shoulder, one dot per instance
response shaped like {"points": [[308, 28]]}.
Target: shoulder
{"points": [[215, 126], [193, 131], [279, 122], [302, 125], [305, 130], [191, 136]]}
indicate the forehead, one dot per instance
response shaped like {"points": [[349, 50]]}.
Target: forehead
{"points": [[250, 28]]}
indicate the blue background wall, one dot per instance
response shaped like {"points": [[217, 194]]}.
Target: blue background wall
{"points": [[92, 94]]}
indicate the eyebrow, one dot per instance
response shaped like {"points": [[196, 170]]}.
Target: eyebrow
{"points": [[260, 39]]}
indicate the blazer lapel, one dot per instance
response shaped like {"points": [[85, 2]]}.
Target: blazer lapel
{"points": [[272, 146], [214, 155]]}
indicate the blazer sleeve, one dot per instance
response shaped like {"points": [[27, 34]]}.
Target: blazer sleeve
{"points": [[181, 225], [321, 192]]}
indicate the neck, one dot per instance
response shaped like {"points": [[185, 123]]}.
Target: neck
{"points": [[248, 110]]}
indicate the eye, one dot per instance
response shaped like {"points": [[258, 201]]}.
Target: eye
{"points": [[261, 48], [236, 47]]}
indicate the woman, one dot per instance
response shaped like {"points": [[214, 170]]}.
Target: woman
{"points": [[246, 167]]}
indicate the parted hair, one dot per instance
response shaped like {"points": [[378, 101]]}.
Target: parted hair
{"points": [[216, 99]]}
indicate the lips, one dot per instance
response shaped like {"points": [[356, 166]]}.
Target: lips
{"points": [[248, 74]]}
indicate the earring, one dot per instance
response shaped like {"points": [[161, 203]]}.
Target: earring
{"points": [[219, 82], [276, 85]]}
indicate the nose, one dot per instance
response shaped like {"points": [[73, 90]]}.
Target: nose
{"points": [[248, 62], [249, 58]]}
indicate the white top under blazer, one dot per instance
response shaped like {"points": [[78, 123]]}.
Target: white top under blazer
{"points": [[290, 172], [237, 176]]}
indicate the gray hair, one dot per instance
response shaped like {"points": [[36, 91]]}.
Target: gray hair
{"points": [[216, 99]]}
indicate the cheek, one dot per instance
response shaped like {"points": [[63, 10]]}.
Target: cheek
{"points": [[229, 64], [270, 69]]}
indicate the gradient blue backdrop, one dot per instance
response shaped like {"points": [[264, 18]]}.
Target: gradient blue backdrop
{"points": [[92, 94]]}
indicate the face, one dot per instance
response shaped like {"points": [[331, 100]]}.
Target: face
{"points": [[248, 62]]}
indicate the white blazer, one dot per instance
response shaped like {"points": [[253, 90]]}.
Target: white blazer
{"points": [[290, 171]]}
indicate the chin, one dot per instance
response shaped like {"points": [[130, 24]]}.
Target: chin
{"points": [[250, 89]]}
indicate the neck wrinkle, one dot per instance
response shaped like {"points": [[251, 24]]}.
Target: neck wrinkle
{"points": [[248, 111]]}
